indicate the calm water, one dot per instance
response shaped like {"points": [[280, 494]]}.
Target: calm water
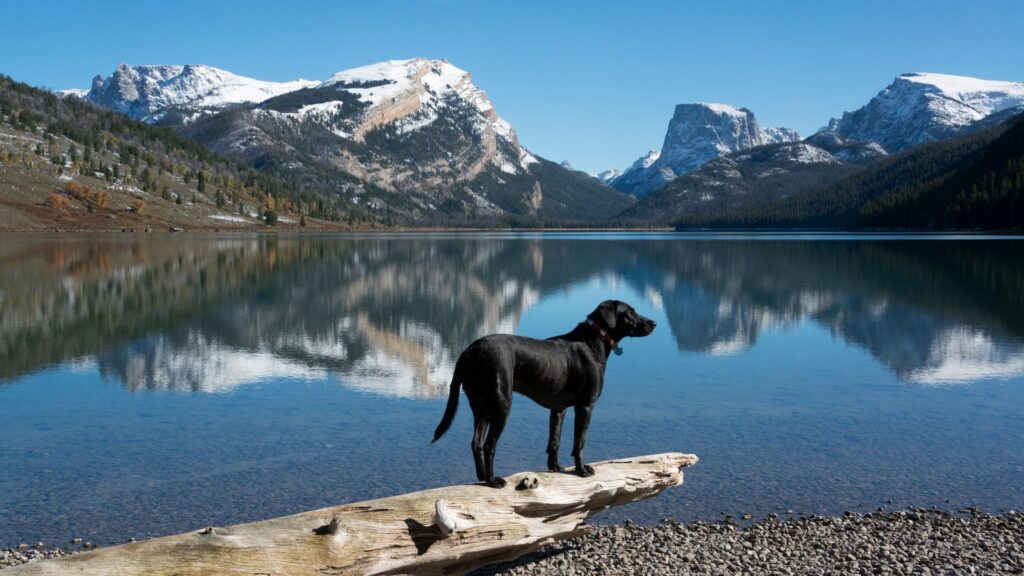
{"points": [[156, 385]]}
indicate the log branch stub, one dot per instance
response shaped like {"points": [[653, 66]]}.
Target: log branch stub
{"points": [[330, 528]]}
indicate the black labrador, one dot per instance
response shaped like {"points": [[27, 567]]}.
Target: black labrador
{"points": [[557, 373]]}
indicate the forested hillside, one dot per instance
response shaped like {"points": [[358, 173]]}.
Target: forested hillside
{"points": [[970, 182], [69, 164]]}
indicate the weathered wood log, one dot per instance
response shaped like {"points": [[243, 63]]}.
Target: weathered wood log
{"points": [[447, 530]]}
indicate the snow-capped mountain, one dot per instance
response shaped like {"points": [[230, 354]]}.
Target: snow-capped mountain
{"points": [[606, 176], [924, 107], [407, 96], [423, 137], [753, 175], [150, 93], [696, 134], [404, 139], [637, 172]]}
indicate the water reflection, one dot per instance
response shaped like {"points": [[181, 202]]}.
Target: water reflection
{"points": [[389, 315], [931, 311]]}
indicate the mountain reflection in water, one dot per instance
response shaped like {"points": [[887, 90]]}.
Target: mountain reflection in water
{"points": [[389, 314]]}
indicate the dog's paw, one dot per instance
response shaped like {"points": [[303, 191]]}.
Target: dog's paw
{"points": [[497, 482], [585, 470]]}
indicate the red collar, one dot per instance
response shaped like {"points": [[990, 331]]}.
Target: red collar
{"points": [[597, 328]]}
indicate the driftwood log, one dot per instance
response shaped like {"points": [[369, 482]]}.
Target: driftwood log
{"points": [[448, 530]]}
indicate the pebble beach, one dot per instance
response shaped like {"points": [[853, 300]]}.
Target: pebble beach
{"points": [[916, 541]]}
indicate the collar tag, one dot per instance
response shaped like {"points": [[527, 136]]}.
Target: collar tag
{"points": [[617, 350]]}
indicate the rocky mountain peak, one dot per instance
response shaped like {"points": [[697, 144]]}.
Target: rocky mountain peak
{"points": [[700, 132], [411, 95], [923, 107], [606, 176], [697, 133]]}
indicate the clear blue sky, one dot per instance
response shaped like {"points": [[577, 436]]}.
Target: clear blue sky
{"points": [[591, 82]]}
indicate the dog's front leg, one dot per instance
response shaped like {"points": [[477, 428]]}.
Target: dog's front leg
{"points": [[581, 421], [554, 439]]}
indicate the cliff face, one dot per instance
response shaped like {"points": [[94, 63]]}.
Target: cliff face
{"points": [[698, 133]]}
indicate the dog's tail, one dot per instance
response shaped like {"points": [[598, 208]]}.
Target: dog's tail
{"points": [[453, 404]]}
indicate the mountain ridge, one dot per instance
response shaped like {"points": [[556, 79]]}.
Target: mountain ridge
{"points": [[417, 141], [147, 92], [920, 107], [974, 181], [427, 140]]}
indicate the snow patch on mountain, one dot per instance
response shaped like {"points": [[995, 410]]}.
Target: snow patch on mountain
{"points": [[773, 135], [803, 153], [985, 96], [77, 92], [723, 109]]}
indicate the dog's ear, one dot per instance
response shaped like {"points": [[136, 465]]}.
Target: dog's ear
{"points": [[607, 313]]}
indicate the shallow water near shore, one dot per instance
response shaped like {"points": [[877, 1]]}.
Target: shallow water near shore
{"points": [[152, 385]]}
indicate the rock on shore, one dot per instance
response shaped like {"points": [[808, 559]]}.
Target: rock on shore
{"points": [[25, 554], [906, 542]]}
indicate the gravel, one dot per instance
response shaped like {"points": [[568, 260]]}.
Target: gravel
{"points": [[24, 554], [915, 541]]}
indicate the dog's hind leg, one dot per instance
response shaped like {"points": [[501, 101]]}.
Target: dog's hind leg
{"points": [[497, 425], [479, 427], [554, 439]]}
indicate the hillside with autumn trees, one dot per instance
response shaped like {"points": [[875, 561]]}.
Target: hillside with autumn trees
{"points": [[70, 165]]}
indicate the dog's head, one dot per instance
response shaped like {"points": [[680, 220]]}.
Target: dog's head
{"points": [[621, 320]]}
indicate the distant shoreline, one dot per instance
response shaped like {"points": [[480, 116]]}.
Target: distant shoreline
{"points": [[506, 230]]}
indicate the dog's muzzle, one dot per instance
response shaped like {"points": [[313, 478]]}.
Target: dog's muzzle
{"points": [[645, 327]]}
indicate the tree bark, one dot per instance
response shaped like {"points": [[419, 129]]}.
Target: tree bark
{"points": [[448, 530]]}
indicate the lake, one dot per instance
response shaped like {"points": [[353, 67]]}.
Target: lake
{"points": [[156, 384]]}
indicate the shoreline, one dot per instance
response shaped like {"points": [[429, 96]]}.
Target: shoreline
{"points": [[909, 541], [413, 230]]}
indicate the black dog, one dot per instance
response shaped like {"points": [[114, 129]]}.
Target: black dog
{"points": [[556, 373]]}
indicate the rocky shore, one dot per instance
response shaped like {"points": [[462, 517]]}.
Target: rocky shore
{"points": [[917, 541], [907, 542], [24, 554]]}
